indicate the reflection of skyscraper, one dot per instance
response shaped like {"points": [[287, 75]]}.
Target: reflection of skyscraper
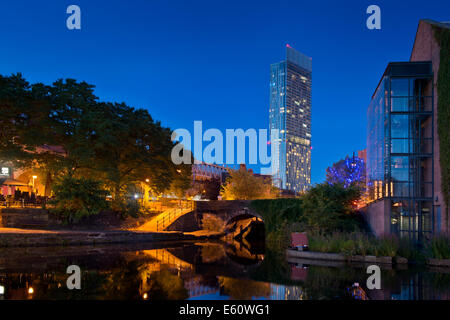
{"points": [[281, 292], [290, 113]]}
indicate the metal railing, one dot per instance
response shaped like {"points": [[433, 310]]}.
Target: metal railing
{"points": [[174, 213], [20, 204]]}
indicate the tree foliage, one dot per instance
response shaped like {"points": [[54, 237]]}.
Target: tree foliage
{"points": [[347, 172], [76, 198], [243, 185], [329, 207], [110, 142]]}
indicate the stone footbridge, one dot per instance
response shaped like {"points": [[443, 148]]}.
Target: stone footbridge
{"points": [[214, 216]]}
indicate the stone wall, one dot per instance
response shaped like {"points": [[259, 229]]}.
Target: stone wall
{"points": [[40, 238], [24, 218]]}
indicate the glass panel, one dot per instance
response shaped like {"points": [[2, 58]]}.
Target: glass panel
{"points": [[399, 126], [404, 222], [427, 189], [426, 216], [399, 104], [399, 168], [399, 87], [426, 146], [401, 189], [426, 104], [399, 146]]}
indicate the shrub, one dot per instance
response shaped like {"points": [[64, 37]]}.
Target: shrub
{"points": [[75, 198], [439, 247]]}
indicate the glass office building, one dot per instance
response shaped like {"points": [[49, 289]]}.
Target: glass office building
{"points": [[400, 148], [290, 113]]}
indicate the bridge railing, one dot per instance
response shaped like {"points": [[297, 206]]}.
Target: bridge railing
{"points": [[173, 214]]}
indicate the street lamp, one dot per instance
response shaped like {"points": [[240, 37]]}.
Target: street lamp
{"points": [[34, 178]]}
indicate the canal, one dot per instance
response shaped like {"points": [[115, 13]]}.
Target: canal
{"points": [[202, 270]]}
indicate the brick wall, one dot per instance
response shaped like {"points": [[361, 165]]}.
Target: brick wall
{"points": [[427, 49]]}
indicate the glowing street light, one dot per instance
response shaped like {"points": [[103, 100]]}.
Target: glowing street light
{"points": [[34, 178], [30, 290]]}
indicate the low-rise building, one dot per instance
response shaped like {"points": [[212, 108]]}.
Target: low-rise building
{"points": [[404, 177]]}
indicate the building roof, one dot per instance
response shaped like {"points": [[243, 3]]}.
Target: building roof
{"points": [[405, 69], [443, 24], [12, 182]]}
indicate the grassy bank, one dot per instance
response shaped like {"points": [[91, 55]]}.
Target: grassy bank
{"points": [[366, 244], [349, 235]]}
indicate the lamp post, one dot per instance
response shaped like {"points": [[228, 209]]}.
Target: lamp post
{"points": [[34, 178]]}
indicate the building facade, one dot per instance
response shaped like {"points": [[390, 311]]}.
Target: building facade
{"points": [[207, 171], [290, 113], [403, 175], [399, 148]]}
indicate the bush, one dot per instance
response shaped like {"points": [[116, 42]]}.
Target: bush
{"points": [[439, 247], [329, 208], [75, 198], [355, 243]]}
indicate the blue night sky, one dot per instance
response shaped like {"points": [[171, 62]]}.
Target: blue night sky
{"points": [[210, 60]]}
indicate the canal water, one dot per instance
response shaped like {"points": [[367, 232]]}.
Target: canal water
{"points": [[202, 270]]}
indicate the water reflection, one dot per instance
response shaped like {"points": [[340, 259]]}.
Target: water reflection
{"points": [[200, 271]]}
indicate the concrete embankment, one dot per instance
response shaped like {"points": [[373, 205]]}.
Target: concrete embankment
{"points": [[342, 259], [337, 257], [10, 237]]}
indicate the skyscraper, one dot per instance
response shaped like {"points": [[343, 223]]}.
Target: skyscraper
{"points": [[290, 113]]}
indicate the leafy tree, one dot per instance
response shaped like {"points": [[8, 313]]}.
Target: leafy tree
{"points": [[130, 148], [347, 172], [75, 198], [329, 207], [113, 143], [243, 185]]}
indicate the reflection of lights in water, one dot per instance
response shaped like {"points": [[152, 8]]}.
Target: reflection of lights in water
{"points": [[145, 296], [2, 290], [30, 290]]}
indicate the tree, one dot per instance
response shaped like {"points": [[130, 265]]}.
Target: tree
{"points": [[243, 185], [113, 143], [130, 148], [347, 172], [329, 207], [77, 198]]}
